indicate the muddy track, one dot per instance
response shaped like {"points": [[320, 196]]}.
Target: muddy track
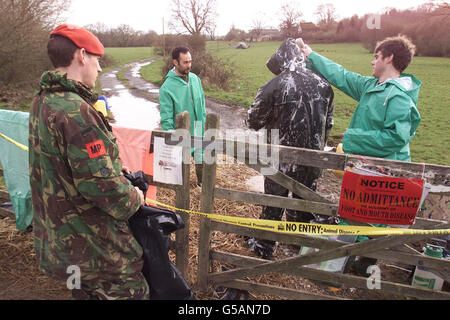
{"points": [[231, 117]]}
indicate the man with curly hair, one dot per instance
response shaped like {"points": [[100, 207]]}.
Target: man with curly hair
{"points": [[386, 118]]}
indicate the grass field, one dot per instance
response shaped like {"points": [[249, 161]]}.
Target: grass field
{"points": [[126, 55], [432, 141]]}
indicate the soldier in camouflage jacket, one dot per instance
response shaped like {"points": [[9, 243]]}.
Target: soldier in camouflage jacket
{"points": [[81, 199]]}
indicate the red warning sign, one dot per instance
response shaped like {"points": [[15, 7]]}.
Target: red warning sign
{"points": [[383, 200]]}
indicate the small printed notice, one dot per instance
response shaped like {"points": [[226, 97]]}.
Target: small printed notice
{"points": [[167, 162], [380, 199]]}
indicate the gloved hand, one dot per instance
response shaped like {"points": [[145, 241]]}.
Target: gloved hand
{"points": [[303, 47], [141, 195], [139, 181]]}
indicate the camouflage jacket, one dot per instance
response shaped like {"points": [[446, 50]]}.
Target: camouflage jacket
{"points": [[81, 199]]}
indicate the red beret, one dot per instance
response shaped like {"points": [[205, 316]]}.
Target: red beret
{"points": [[81, 37]]}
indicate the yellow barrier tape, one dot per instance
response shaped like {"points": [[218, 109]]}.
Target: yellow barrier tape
{"points": [[291, 227], [306, 228], [21, 146]]}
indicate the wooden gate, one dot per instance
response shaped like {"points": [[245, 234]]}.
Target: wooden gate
{"points": [[391, 248]]}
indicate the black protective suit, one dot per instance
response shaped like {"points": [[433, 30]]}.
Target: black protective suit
{"points": [[299, 103]]}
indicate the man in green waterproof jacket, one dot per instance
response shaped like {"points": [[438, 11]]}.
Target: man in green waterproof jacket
{"points": [[81, 199], [386, 117], [182, 91]]}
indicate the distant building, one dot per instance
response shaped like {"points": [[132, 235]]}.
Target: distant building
{"points": [[265, 35], [275, 34]]}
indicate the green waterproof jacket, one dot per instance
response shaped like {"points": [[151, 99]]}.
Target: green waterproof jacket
{"points": [[176, 96], [386, 117]]}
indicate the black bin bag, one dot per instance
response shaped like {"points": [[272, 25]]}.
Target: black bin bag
{"points": [[152, 228]]}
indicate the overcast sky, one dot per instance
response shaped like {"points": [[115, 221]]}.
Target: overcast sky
{"points": [[145, 15]]}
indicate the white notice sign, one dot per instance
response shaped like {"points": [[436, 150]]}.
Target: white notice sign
{"points": [[167, 163]]}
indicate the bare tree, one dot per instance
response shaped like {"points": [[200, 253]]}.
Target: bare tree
{"points": [[22, 15], [193, 16], [124, 35], [98, 28], [235, 34], [211, 31], [257, 27], [25, 27], [290, 19], [326, 13], [432, 5]]}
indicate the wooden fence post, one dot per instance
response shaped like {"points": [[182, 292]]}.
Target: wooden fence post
{"points": [[183, 121], [207, 206]]}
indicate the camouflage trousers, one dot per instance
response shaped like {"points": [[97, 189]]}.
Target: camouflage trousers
{"points": [[135, 288]]}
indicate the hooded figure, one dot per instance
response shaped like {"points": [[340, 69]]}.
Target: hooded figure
{"points": [[299, 103]]}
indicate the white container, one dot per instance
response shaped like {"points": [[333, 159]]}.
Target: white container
{"points": [[426, 279]]}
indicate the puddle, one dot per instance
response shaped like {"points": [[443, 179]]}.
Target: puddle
{"points": [[133, 112], [129, 110], [136, 70]]}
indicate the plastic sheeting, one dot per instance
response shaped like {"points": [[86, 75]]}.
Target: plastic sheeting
{"points": [[152, 228], [134, 147], [14, 161]]}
